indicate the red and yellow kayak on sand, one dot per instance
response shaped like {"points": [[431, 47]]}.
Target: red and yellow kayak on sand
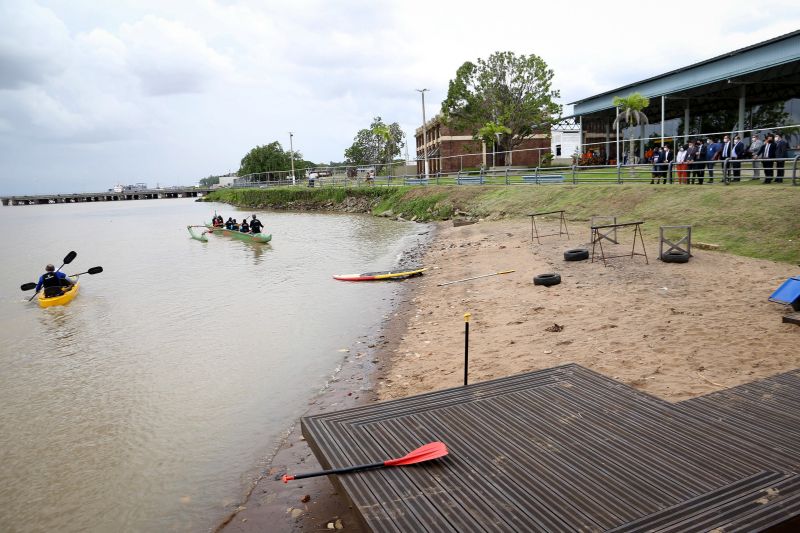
{"points": [[376, 276], [63, 299]]}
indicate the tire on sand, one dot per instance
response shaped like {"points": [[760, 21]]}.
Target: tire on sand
{"points": [[576, 254], [675, 256], [547, 280]]}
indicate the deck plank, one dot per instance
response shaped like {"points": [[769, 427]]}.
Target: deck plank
{"points": [[567, 449]]}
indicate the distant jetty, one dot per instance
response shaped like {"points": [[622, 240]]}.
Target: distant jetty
{"points": [[106, 196]]}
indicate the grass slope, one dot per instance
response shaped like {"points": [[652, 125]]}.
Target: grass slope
{"points": [[762, 222]]}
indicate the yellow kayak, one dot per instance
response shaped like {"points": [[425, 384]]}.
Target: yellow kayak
{"points": [[64, 299]]}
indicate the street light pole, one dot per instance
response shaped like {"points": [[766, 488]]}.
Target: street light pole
{"points": [[424, 133], [291, 154]]}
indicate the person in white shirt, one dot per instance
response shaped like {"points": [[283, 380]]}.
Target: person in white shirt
{"points": [[681, 165]]}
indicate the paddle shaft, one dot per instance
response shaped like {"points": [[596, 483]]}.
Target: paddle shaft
{"points": [[90, 271], [475, 277], [337, 471]]}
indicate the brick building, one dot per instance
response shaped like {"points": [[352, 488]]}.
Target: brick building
{"points": [[451, 151]]}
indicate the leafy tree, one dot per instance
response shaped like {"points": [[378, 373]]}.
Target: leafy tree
{"points": [[209, 181], [268, 158], [631, 113], [508, 91], [380, 143]]}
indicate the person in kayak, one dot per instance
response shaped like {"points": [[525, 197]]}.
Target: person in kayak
{"points": [[52, 282], [255, 225], [244, 228]]}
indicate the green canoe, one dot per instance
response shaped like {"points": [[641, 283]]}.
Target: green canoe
{"points": [[202, 237], [250, 237]]}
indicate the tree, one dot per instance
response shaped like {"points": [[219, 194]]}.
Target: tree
{"points": [[209, 181], [505, 90], [631, 113], [491, 132], [268, 158], [380, 143]]}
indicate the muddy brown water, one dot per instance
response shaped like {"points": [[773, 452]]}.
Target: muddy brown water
{"points": [[152, 401]]}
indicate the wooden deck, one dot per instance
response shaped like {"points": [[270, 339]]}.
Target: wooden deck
{"points": [[567, 449]]}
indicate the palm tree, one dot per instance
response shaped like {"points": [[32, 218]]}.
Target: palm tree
{"points": [[631, 113], [384, 132], [492, 131]]}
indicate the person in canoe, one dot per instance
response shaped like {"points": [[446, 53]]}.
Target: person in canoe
{"points": [[52, 282], [255, 225], [218, 223], [229, 223], [244, 228]]}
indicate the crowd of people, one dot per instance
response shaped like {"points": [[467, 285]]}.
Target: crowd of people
{"points": [[696, 158], [254, 226]]}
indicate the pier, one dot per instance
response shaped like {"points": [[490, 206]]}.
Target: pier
{"points": [[107, 196]]}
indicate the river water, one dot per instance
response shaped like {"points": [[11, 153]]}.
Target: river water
{"points": [[152, 400]]}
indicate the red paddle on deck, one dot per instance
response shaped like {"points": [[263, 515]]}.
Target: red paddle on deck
{"points": [[432, 450]]}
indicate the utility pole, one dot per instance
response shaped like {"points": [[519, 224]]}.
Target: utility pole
{"points": [[424, 133], [291, 154]]}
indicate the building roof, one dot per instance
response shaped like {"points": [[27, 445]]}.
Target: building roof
{"points": [[771, 53]]}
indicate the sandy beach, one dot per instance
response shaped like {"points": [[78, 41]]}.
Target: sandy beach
{"points": [[673, 330]]}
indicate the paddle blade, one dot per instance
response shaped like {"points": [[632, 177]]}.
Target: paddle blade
{"points": [[95, 270], [70, 256], [433, 450], [28, 286]]}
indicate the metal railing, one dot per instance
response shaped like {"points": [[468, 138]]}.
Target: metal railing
{"points": [[726, 171]]}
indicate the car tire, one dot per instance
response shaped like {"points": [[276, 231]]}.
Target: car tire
{"points": [[547, 280], [675, 256], [576, 254]]}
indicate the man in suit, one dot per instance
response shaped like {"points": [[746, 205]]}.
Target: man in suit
{"points": [[690, 157], [767, 152], [725, 154], [781, 151], [755, 147], [667, 157], [737, 153]]}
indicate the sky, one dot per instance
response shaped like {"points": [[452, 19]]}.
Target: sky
{"points": [[93, 94]]}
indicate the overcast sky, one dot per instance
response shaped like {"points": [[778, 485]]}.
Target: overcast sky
{"points": [[98, 93]]}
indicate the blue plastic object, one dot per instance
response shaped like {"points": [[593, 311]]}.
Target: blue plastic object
{"points": [[788, 293]]}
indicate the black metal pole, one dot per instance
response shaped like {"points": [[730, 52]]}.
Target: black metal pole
{"points": [[466, 346]]}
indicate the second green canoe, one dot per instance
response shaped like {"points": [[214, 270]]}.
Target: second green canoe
{"points": [[251, 237]]}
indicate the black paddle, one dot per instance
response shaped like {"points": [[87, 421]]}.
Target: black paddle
{"points": [[67, 260], [92, 271]]}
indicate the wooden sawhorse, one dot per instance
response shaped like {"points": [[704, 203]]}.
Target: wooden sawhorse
{"points": [[598, 236], [610, 220], [561, 224]]}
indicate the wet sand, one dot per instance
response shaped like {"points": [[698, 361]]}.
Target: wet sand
{"points": [[673, 330]]}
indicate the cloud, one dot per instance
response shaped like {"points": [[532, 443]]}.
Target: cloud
{"points": [[33, 47], [169, 58], [156, 91]]}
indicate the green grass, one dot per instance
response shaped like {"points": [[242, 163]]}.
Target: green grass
{"points": [[744, 219]]}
